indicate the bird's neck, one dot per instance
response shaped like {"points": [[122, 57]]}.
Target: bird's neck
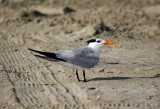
{"points": [[94, 46]]}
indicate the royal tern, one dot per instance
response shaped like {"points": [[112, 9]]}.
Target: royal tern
{"points": [[84, 57]]}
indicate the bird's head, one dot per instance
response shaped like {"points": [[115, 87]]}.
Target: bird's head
{"points": [[97, 43]]}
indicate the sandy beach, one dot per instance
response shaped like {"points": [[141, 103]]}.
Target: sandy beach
{"points": [[127, 76]]}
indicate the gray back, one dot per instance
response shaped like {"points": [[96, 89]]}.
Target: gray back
{"points": [[84, 57]]}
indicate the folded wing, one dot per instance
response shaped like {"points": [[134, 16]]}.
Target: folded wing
{"points": [[47, 55]]}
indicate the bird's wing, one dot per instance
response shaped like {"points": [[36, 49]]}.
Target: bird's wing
{"points": [[47, 55], [84, 56], [72, 54]]}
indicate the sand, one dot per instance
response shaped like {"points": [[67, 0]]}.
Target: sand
{"points": [[127, 76]]}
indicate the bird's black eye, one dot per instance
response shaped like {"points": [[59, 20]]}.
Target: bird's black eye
{"points": [[98, 41]]}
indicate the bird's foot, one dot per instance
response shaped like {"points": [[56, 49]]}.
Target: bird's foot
{"points": [[85, 80]]}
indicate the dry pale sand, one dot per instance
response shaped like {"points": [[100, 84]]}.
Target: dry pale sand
{"points": [[127, 76]]}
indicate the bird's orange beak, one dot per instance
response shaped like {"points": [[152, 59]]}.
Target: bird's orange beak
{"points": [[109, 42]]}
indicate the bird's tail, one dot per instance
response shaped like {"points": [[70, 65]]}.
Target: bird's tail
{"points": [[47, 55]]}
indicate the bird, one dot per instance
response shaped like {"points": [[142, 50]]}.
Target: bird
{"points": [[83, 57]]}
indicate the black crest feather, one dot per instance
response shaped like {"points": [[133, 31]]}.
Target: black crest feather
{"points": [[91, 40]]}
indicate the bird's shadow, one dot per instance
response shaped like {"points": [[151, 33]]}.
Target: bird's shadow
{"points": [[113, 63], [109, 78], [119, 78]]}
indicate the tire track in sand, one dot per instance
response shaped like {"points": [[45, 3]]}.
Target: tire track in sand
{"points": [[33, 83]]}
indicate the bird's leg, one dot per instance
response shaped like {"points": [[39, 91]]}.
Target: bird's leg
{"points": [[77, 75], [84, 76]]}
